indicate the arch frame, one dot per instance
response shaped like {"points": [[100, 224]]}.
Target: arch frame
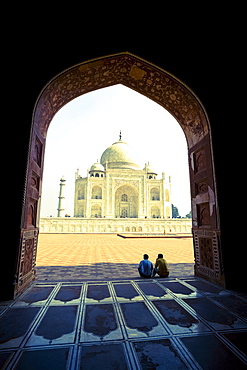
{"points": [[96, 190], [130, 205], [164, 89]]}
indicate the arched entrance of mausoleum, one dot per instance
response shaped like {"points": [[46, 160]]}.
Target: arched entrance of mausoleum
{"points": [[126, 202], [162, 88]]}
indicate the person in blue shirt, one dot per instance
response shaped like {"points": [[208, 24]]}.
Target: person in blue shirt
{"points": [[145, 267]]}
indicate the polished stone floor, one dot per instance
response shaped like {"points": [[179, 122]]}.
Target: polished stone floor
{"points": [[172, 323]]}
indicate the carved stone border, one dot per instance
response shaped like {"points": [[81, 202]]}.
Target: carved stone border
{"points": [[214, 274], [27, 273], [133, 72]]}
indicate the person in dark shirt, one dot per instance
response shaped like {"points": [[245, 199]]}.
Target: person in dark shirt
{"points": [[145, 267]]}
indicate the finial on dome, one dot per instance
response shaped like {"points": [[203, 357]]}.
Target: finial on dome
{"points": [[120, 135]]}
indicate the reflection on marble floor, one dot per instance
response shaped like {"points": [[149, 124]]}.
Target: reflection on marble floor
{"points": [[129, 324]]}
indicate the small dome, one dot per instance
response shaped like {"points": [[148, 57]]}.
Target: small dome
{"points": [[149, 169], [120, 155], [97, 167]]}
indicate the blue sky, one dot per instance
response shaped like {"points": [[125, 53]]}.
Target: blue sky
{"points": [[81, 131]]}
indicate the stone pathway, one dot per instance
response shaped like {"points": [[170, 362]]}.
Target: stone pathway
{"points": [[89, 310], [132, 324], [68, 257]]}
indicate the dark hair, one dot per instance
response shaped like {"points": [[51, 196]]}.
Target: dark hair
{"points": [[160, 255], [145, 256]]}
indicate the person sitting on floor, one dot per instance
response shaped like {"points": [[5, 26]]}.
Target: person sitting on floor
{"points": [[161, 267], [145, 267]]}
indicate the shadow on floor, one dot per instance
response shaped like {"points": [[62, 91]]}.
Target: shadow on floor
{"points": [[104, 271], [185, 323], [130, 325]]}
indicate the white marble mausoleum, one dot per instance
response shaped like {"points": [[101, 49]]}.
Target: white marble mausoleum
{"points": [[119, 194], [120, 186]]}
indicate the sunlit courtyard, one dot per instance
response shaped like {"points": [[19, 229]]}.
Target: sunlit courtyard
{"points": [[86, 249], [108, 256]]}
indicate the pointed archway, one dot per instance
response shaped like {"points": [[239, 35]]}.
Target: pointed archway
{"points": [[162, 88], [126, 201]]}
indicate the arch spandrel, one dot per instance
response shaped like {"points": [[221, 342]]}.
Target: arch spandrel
{"points": [[126, 69]]}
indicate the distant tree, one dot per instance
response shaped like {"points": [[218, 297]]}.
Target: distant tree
{"points": [[175, 213], [189, 215]]}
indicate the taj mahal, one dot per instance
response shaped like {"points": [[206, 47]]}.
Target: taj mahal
{"points": [[119, 194], [121, 187]]}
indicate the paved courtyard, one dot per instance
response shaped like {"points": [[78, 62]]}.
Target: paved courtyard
{"points": [[108, 256], [72, 318]]}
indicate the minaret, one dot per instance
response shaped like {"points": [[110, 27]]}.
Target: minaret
{"points": [[61, 200]]}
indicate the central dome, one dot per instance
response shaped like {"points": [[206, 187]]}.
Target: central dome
{"points": [[120, 155]]}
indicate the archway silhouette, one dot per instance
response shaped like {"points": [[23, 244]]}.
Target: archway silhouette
{"points": [[164, 89]]}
